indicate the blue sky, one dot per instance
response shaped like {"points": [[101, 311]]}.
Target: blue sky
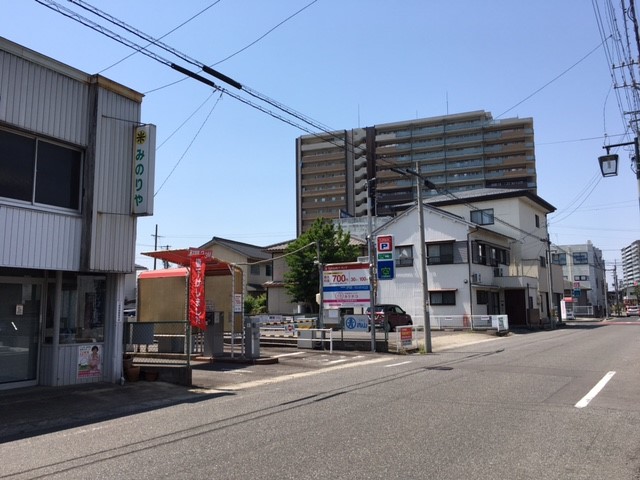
{"points": [[225, 169]]}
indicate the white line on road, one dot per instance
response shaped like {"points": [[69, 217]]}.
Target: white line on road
{"points": [[287, 354], [337, 361], [284, 378], [397, 364], [594, 391]]}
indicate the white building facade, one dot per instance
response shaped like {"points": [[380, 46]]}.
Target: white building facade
{"points": [[463, 260], [70, 192]]}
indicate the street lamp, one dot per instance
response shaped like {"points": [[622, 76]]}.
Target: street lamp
{"points": [[609, 162], [608, 165]]}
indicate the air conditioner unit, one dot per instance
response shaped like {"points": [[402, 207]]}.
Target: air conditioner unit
{"points": [[497, 272], [476, 278]]}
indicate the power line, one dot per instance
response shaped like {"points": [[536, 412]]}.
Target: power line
{"points": [[163, 36]]}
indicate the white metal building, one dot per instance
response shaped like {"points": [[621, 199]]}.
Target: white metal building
{"points": [[71, 187]]}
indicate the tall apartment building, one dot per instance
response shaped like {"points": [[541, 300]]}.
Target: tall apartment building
{"points": [[631, 264], [455, 152]]}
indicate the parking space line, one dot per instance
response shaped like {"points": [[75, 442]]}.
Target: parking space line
{"points": [[594, 391]]}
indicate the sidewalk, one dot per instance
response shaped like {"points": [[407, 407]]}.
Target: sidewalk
{"points": [[37, 410]]}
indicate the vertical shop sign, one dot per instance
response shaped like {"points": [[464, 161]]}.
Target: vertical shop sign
{"points": [[144, 160], [197, 304]]}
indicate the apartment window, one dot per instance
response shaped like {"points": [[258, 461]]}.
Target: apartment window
{"points": [[254, 270], [559, 258], [537, 221], [482, 217], [404, 256], [39, 172], [267, 270], [543, 261], [580, 258], [439, 253], [442, 298], [581, 278]]}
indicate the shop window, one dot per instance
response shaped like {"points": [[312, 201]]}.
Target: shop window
{"points": [[82, 309], [442, 298], [39, 172]]}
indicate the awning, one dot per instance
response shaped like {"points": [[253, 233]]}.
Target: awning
{"points": [[182, 257]]}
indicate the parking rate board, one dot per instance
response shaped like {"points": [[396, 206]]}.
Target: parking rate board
{"points": [[345, 285]]}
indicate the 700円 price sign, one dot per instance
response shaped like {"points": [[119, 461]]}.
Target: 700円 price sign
{"points": [[345, 285]]}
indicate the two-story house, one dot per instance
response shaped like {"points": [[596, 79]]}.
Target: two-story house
{"points": [[252, 260], [532, 287], [462, 262]]}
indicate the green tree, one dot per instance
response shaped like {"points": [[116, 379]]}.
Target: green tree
{"points": [[302, 279], [255, 305]]}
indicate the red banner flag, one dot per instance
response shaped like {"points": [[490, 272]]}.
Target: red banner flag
{"points": [[197, 310]]}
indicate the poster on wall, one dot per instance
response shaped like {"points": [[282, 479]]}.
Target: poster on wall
{"points": [[89, 361]]}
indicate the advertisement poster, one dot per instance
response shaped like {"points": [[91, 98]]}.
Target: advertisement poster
{"points": [[89, 361]]}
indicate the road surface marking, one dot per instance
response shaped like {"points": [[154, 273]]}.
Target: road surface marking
{"points": [[287, 354], [397, 364], [284, 378], [595, 390], [337, 361]]}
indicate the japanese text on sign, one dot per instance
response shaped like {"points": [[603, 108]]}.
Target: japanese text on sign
{"points": [[345, 285], [144, 152]]}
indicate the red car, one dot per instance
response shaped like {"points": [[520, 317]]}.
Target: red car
{"points": [[391, 316]]}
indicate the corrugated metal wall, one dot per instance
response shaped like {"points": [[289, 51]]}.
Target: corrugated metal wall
{"points": [[50, 99], [114, 228], [40, 100], [35, 239]]}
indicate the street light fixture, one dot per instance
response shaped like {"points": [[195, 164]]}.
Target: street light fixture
{"points": [[608, 165]]}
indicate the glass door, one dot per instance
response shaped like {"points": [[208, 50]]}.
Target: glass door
{"points": [[19, 330]]}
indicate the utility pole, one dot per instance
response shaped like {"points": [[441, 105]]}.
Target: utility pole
{"points": [[420, 180], [155, 245]]}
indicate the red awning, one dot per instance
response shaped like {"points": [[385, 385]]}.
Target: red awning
{"points": [[182, 257]]}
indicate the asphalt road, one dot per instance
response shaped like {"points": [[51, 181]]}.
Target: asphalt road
{"points": [[518, 407]]}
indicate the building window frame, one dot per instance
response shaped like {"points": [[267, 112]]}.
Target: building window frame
{"points": [[40, 172], [404, 255], [482, 217], [440, 253], [442, 297]]}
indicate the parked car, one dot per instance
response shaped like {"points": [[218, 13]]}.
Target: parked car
{"points": [[389, 317], [632, 311]]}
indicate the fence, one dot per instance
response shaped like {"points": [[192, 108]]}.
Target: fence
{"points": [[583, 310], [469, 322], [161, 342]]}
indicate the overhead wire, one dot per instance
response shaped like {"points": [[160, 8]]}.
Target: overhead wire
{"points": [[165, 35]]}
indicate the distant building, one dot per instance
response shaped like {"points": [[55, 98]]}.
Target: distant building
{"points": [[252, 260], [631, 265], [458, 152], [583, 269]]}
